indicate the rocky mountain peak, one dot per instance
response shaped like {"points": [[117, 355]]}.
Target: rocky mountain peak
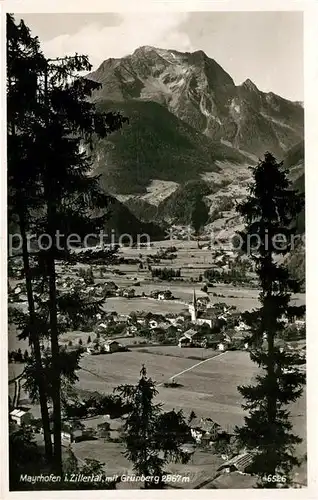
{"points": [[144, 49], [197, 90], [248, 84]]}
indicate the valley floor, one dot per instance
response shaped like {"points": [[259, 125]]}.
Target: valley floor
{"points": [[209, 387], [208, 379]]}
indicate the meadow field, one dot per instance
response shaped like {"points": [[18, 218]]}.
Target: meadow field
{"points": [[244, 299], [209, 387], [122, 305]]}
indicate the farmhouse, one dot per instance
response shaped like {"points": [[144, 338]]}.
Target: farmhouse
{"points": [[238, 463], [242, 327], [218, 344], [109, 287], [300, 323], [203, 301], [71, 433], [21, 417], [175, 321], [112, 346], [141, 321], [101, 327], [189, 338], [163, 331], [164, 325], [120, 317], [221, 346], [103, 430], [131, 330], [204, 430], [129, 293], [98, 289], [93, 350], [184, 342], [165, 295]]}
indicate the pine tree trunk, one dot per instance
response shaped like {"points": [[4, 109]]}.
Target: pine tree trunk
{"points": [[56, 375], [272, 393], [56, 372], [34, 338]]}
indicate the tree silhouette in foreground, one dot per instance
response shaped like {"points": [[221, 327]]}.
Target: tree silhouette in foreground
{"points": [[24, 62], [269, 213], [152, 438], [51, 181]]}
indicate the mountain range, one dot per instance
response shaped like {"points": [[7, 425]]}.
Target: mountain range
{"points": [[188, 121]]}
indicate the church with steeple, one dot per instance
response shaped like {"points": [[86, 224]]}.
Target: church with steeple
{"points": [[199, 317]]}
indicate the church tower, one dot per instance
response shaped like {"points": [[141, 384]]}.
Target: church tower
{"points": [[193, 308]]}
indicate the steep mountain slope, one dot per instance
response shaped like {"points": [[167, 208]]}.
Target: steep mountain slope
{"points": [[294, 161], [178, 207], [121, 221], [198, 91], [154, 145], [142, 209]]}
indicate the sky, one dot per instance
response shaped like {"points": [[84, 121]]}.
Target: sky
{"points": [[266, 47]]}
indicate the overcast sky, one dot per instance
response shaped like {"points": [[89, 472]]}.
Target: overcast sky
{"points": [[266, 47]]}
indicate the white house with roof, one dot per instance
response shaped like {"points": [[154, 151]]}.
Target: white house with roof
{"points": [[131, 329], [153, 323], [20, 416], [300, 323], [238, 463], [93, 350], [141, 321], [71, 432], [112, 346], [175, 321], [164, 295], [221, 346], [242, 327], [188, 338], [204, 430]]}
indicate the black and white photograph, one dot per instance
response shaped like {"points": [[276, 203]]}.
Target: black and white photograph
{"points": [[156, 283]]}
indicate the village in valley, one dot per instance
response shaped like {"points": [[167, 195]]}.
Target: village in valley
{"points": [[168, 308]]}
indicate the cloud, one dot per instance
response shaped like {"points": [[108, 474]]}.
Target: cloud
{"points": [[160, 29]]}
